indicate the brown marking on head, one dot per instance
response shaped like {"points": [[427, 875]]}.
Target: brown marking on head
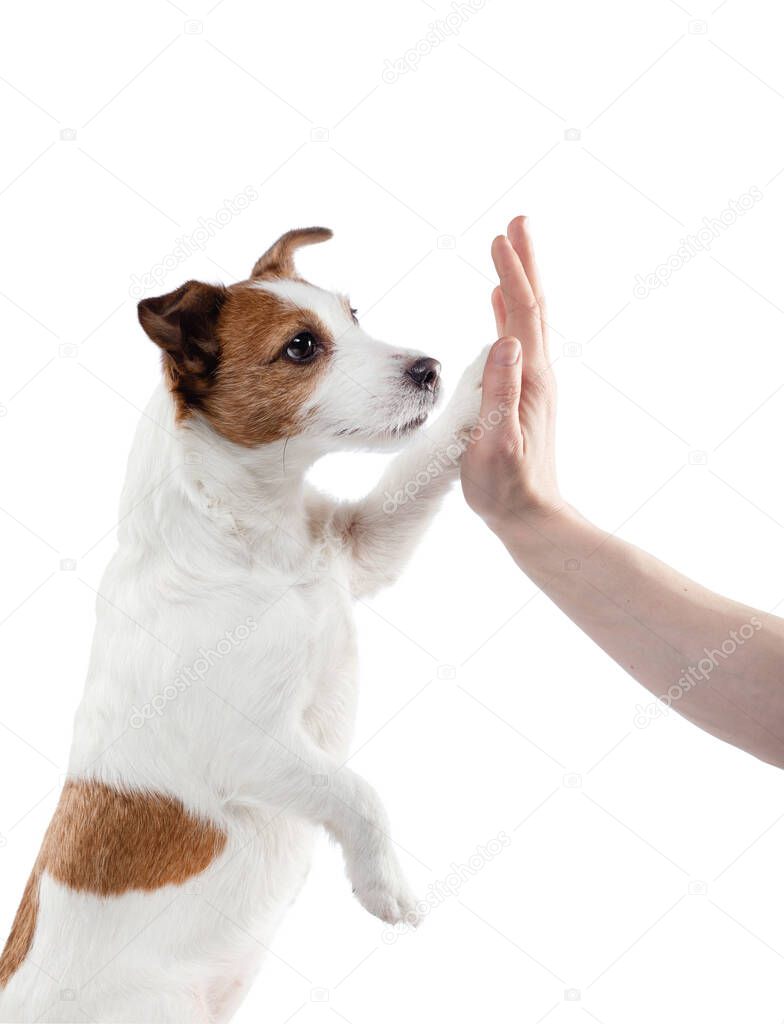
{"points": [[278, 260], [184, 325], [258, 393], [108, 841], [224, 348]]}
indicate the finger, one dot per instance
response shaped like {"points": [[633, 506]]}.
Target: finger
{"points": [[523, 319], [499, 310], [515, 286], [519, 234], [501, 384]]}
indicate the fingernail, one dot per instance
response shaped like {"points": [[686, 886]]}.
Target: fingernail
{"points": [[507, 352]]}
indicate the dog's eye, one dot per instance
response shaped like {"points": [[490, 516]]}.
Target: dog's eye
{"points": [[353, 314], [301, 348]]}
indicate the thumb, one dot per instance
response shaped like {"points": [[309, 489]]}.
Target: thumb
{"points": [[501, 384]]}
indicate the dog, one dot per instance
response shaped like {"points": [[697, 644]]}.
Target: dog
{"points": [[211, 738]]}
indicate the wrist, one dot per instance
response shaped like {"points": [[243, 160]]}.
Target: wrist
{"points": [[546, 539], [528, 524]]}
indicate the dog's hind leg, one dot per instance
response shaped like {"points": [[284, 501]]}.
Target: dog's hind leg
{"points": [[226, 998], [130, 1008], [227, 992]]}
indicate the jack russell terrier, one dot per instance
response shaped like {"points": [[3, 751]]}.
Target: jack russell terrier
{"points": [[219, 704]]}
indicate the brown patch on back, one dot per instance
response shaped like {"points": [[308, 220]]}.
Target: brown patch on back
{"points": [[107, 841], [23, 929]]}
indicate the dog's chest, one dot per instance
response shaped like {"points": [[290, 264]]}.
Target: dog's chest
{"points": [[307, 639], [330, 696], [326, 621]]}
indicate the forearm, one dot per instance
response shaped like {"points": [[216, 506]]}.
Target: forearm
{"points": [[383, 529], [717, 662]]}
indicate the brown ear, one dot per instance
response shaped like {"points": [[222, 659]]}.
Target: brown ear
{"points": [[278, 260], [184, 325]]}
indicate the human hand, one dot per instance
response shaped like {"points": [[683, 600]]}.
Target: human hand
{"points": [[508, 473]]}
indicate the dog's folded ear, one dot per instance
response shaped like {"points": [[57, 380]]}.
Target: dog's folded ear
{"points": [[184, 325], [278, 260]]}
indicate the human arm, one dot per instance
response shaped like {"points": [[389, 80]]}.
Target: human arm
{"points": [[714, 660]]}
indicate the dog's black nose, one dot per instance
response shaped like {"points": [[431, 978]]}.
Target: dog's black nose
{"points": [[424, 373]]}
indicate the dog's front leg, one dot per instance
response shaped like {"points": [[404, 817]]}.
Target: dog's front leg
{"points": [[302, 779], [381, 531]]}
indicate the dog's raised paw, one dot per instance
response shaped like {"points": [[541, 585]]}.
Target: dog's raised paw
{"points": [[394, 906], [471, 379], [462, 411]]}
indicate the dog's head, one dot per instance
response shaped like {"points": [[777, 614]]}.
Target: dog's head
{"points": [[275, 357]]}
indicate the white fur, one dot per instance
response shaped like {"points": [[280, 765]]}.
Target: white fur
{"points": [[217, 540]]}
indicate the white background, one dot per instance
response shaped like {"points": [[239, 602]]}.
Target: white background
{"points": [[483, 709]]}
